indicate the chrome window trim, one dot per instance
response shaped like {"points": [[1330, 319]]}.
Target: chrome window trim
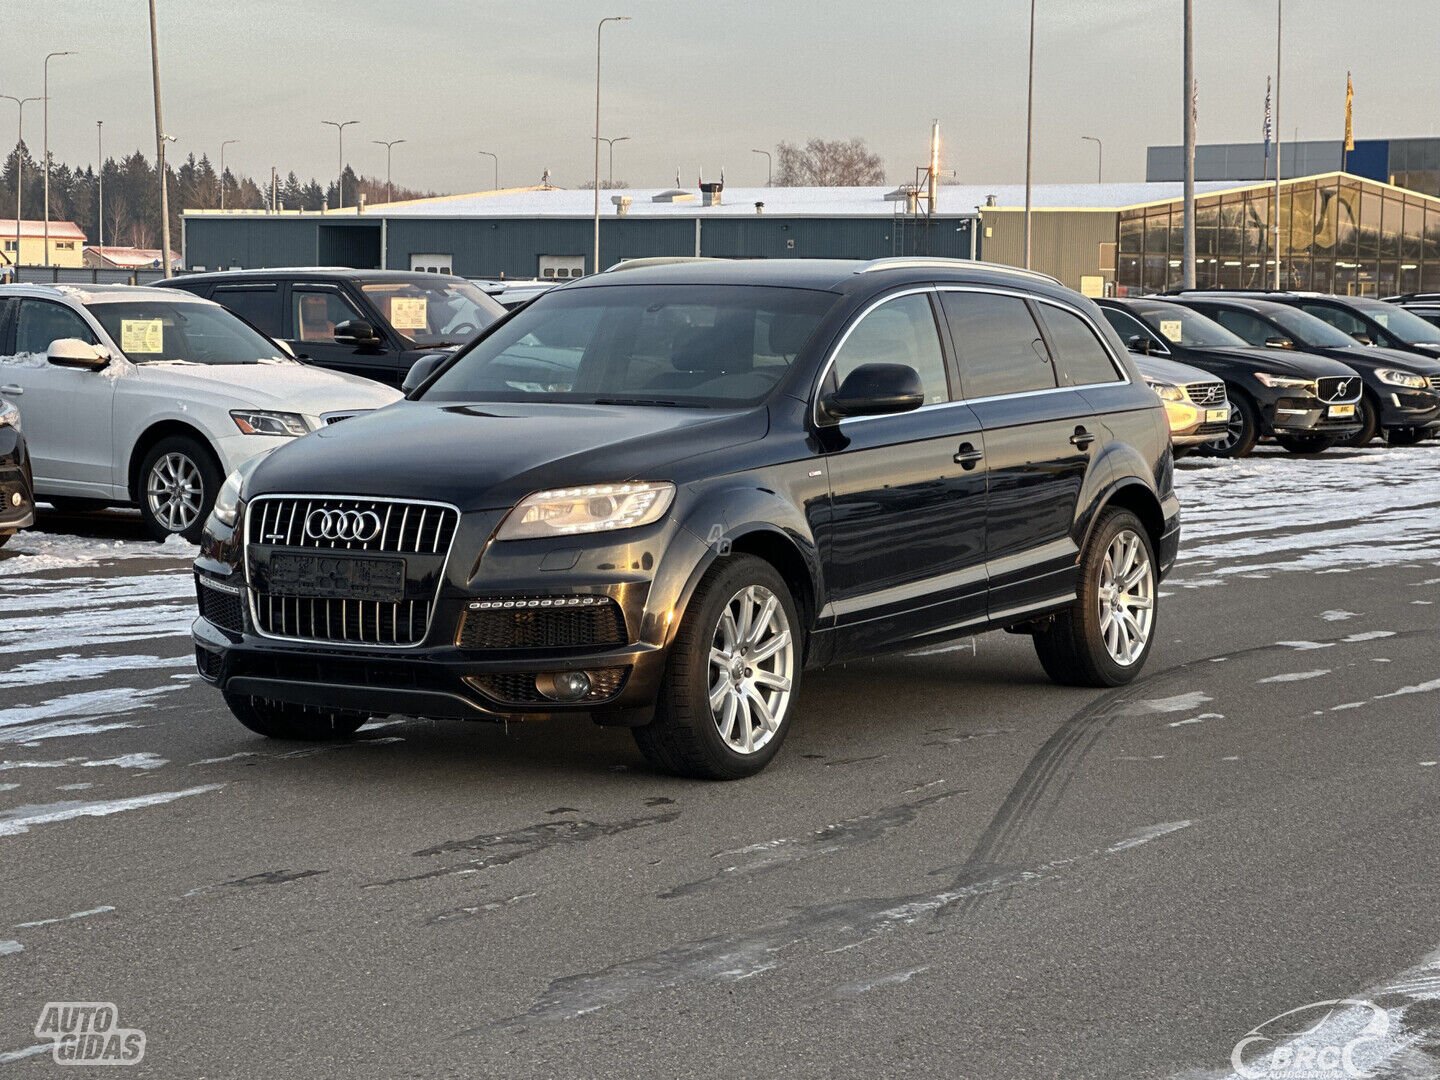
{"points": [[434, 601], [1151, 334]]}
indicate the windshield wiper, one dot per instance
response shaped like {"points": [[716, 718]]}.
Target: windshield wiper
{"points": [[646, 401]]}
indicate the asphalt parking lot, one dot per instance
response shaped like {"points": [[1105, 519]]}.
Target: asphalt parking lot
{"points": [[955, 868]]}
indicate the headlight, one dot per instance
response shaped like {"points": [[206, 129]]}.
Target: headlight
{"points": [[1165, 390], [231, 493], [1395, 377], [9, 415], [259, 422], [1283, 380], [601, 508]]}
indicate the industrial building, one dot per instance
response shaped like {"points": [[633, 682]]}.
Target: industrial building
{"points": [[1406, 163]]}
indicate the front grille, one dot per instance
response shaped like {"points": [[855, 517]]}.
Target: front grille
{"points": [[551, 622], [1336, 388], [518, 687], [222, 607], [420, 531], [208, 664], [1206, 393], [1435, 382]]}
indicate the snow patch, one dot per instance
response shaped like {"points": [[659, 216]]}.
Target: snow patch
{"points": [[21, 818], [1295, 676]]}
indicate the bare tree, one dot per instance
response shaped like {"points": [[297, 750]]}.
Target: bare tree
{"points": [[827, 163]]}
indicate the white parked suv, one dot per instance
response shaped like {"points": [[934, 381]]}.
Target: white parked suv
{"points": [[152, 397]]}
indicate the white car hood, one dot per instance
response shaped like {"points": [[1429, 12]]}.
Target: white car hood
{"points": [[283, 387]]}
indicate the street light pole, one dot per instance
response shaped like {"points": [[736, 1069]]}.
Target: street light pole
{"points": [[160, 147], [340, 176], [389, 187], [496, 157], [1029, 130], [19, 168], [1279, 28], [45, 124], [224, 144], [100, 180], [1187, 247], [1099, 157], [769, 171], [611, 143], [595, 264]]}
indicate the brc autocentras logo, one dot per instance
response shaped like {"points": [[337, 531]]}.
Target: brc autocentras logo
{"points": [[1326, 1040], [89, 1033]]}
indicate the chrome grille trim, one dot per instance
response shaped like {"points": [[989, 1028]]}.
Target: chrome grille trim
{"points": [[1205, 393], [364, 623], [1327, 389]]}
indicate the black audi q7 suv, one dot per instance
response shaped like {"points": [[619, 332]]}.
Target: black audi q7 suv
{"points": [[17, 489], [1402, 390], [1307, 403], [658, 495]]}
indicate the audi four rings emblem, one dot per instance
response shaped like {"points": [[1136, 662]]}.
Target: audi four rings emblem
{"points": [[359, 525]]}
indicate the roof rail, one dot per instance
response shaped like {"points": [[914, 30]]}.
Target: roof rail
{"points": [[902, 262], [657, 260]]}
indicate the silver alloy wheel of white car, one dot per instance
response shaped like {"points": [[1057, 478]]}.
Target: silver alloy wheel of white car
{"points": [[175, 491], [752, 656], [1127, 598]]}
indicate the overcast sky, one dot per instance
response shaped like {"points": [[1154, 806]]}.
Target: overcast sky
{"points": [[697, 83]]}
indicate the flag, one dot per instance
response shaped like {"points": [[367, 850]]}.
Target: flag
{"points": [[1267, 118], [1349, 110]]}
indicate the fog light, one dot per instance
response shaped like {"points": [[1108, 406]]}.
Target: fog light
{"points": [[563, 685], [15, 499]]}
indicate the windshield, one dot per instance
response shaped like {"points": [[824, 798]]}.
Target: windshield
{"points": [[1405, 325], [1187, 328], [1306, 329], [709, 346], [434, 312], [150, 331]]}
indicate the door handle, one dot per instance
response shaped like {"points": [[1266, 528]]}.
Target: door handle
{"points": [[967, 457], [13, 391], [1082, 438]]}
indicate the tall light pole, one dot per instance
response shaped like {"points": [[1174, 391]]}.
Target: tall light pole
{"points": [[1099, 157], [496, 159], [340, 127], [611, 143], [100, 181], [1187, 248], [19, 167], [389, 187], [595, 264], [227, 142], [769, 163], [1029, 130], [45, 124], [1279, 38], [160, 146]]}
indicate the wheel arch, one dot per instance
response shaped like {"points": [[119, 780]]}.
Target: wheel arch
{"points": [[1135, 495], [147, 440]]}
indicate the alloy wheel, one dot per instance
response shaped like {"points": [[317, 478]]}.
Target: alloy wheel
{"points": [[752, 656], [1127, 598], [175, 491]]}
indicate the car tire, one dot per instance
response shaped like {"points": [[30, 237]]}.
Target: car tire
{"points": [[710, 718], [1405, 436], [179, 478], [1368, 413], [1242, 429], [277, 720], [1306, 443], [1091, 643]]}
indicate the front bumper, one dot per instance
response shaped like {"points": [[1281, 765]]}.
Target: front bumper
{"points": [[1192, 425], [1405, 408], [1310, 416], [17, 491]]}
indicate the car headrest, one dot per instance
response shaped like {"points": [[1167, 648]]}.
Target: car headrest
{"points": [[729, 345]]}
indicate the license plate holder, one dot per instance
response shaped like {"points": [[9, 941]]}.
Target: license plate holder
{"points": [[336, 577], [1213, 416], [1337, 412]]}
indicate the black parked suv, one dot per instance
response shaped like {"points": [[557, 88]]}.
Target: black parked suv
{"points": [[1307, 403], [17, 489], [374, 323], [1402, 390], [1425, 305], [1367, 320], [656, 496]]}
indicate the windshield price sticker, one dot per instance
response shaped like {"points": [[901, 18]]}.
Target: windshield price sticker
{"points": [[142, 335], [1171, 329], [408, 313]]}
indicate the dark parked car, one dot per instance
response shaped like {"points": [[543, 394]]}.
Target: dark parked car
{"points": [[1425, 305], [374, 323], [1368, 320], [17, 498], [1402, 390], [657, 496], [1307, 403]]}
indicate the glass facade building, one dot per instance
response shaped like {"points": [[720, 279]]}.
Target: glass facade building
{"points": [[1337, 233]]}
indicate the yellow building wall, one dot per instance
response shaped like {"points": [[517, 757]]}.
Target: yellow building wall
{"points": [[66, 253]]}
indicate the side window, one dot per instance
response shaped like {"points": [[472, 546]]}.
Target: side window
{"points": [[1080, 358], [1247, 326], [1338, 318], [900, 331], [318, 311], [1127, 326], [40, 322], [257, 304], [1000, 347]]}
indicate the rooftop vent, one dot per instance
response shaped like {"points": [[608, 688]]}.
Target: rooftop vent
{"points": [[711, 193], [622, 204], [674, 195], [759, 208], [990, 200]]}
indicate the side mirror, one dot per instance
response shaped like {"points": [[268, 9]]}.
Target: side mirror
{"points": [[1363, 339], [422, 369], [1278, 342], [876, 390], [356, 332], [72, 352], [1139, 343]]}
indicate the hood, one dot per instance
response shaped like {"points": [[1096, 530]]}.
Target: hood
{"points": [[489, 456], [287, 387], [1278, 361], [1370, 357], [1170, 371]]}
